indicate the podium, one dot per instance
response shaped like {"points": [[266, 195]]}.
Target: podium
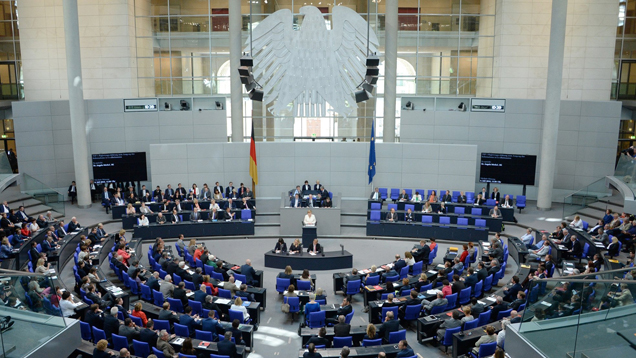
{"points": [[309, 234]]}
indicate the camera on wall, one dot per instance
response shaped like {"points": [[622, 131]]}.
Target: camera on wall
{"points": [[185, 106], [409, 105]]}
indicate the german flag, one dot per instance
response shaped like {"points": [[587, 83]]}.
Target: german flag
{"points": [[253, 168]]}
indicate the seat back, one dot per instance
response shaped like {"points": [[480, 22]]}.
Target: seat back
{"points": [[455, 195], [376, 206], [197, 307], [392, 278], [98, 334], [491, 202], [487, 349], [142, 349], [282, 284], [162, 324], [119, 342], [339, 342], [203, 335], [303, 285], [137, 320], [409, 206], [181, 330], [246, 214], [437, 309], [475, 211], [470, 196], [521, 201], [371, 342], [396, 337], [373, 280], [225, 293], [432, 255], [412, 312], [462, 222], [294, 304], [383, 192], [404, 272], [348, 317], [217, 276], [234, 314], [477, 288], [157, 352], [208, 269], [480, 223], [464, 296], [375, 215], [488, 283], [502, 314], [189, 285], [175, 305], [316, 319], [387, 309], [417, 268], [409, 192], [353, 287], [448, 336], [427, 219], [176, 279], [146, 293], [471, 324], [484, 318], [395, 193], [86, 331], [426, 287], [444, 220], [452, 301], [392, 206]]}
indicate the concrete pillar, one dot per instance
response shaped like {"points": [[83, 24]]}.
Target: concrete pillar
{"points": [[236, 88], [552, 106], [76, 102], [390, 69]]}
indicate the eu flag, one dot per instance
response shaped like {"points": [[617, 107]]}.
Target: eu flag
{"points": [[372, 153]]}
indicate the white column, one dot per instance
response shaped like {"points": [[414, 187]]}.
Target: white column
{"points": [[236, 88], [552, 106], [390, 69], [76, 102]]}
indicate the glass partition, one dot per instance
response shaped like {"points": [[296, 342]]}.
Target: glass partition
{"points": [[583, 197], [43, 193], [30, 313], [590, 315], [5, 167]]}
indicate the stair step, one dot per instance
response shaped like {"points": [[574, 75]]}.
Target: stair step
{"points": [[38, 209], [353, 225], [266, 224], [18, 199], [27, 203], [604, 206], [592, 213]]}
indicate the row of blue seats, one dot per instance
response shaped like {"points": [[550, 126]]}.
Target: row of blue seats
{"points": [[376, 216], [470, 196]]}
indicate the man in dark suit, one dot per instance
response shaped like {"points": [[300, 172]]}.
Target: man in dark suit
{"points": [[143, 191], [320, 339], [461, 198], [447, 197], [157, 194], [324, 194], [73, 225], [181, 271], [182, 191], [315, 247], [391, 216], [511, 293], [311, 352], [457, 285], [197, 278], [169, 193], [219, 187], [200, 294], [482, 273], [174, 218], [296, 202], [494, 267], [173, 266], [60, 232], [408, 216], [188, 320], [576, 248], [210, 324], [422, 252], [179, 293], [245, 204], [72, 192], [342, 329], [229, 189], [306, 186], [389, 325], [500, 305], [94, 316], [476, 307], [129, 330], [226, 214], [111, 323], [226, 347], [4, 208], [471, 279], [148, 334], [250, 274], [521, 299], [317, 186], [403, 196], [399, 263], [153, 281]]}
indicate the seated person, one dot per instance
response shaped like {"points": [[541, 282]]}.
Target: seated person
{"points": [[281, 246], [417, 197], [312, 305]]}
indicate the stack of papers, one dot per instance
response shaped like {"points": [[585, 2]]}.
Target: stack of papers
{"points": [[432, 292], [432, 272], [222, 301]]}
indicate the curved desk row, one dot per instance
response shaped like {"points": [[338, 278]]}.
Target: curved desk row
{"points": [[493, 224], [390, 350], [329, 260], [120, 210], [419, 230], [508, 214], [129, 221], [195, 229]]}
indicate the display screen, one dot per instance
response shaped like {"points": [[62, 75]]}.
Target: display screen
{"points": [[507, 168], [119, 167]]}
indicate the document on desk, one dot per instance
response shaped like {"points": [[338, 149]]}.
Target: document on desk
{"points": [[432, 292], [189, 294], [561, 247], [312, 253], [178, 341], [222, 301], [432, 272], [546, 304], [238, 283]]}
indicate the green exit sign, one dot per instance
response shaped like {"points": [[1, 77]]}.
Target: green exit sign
{"points": [[4, 136], [313, 135]]}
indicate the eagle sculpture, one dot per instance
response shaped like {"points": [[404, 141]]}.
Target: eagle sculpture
{"points": [[302, 70]]}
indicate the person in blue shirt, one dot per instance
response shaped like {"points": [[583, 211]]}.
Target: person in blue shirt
{"points": [[188, 320], [405, 350], [250, 274], [5, 249], [608, 216], [210, 324], [312, 305]]}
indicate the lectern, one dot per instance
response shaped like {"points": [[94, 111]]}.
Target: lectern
{"points": [[309, 234]]}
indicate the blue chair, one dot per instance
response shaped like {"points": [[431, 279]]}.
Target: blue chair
{"points": [[404, 272], [444, 221], [417, 268], [86, 331], [181, 330], [484, 318], [480, 224], [136, 320], [491, 202], [146, 293], [142, 349], [197, 307], [521, 202], [477, 288], [387, 309], [448, 337], [176, 279], [464, 296], [119, 342], [316, 319], [473, 258], [282, 284], [208, 270], [373, 280], [384, 296], [426, 287], [238, 315], [485, 350], [392, 278], [383, 193], [534, 294], [475, 211], [375, 216], [412, 312], [240, 277], [460, 210], [437, 309], [175, 305], [488, 283], [134, 287], [162, 324], [157, 352], [98, 334], [303, 285], [471, 324], [396, 337], [452, 301], [218, 356], [203, 335], [585, 225], [162, 274], [409, 206], [392, 206], [470, 197], [189, 285], [294, 305], [461, 222], [371, 342], [339, 342], [405, 292], [395, 193], [246, 214], [181, 355], [349, 316], [432, 255], [376, 206], [225, 293], [179, 251], [502, 314], [426, 220], [409, 192], [353, 287], [523, 305]]}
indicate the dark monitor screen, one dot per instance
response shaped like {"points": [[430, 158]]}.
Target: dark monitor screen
{"points": [[507, 168], [119, 167]]}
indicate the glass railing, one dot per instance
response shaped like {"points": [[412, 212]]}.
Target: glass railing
{"points": [[29, 315], [43, 193], [626, 171], [582, 315], [582, 198], [5, 167]]}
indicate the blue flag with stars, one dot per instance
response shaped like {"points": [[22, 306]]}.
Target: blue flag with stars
{"points": [[372, 153]]}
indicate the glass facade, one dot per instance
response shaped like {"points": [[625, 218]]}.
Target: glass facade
{"points": [[11, 84], [445, 47]]}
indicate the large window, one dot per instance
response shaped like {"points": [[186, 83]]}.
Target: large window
{"points": [[445, 47]]}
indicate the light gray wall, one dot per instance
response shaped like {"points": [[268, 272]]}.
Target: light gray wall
{"points": [[340, 167], [43, 133], [586, 148]]}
